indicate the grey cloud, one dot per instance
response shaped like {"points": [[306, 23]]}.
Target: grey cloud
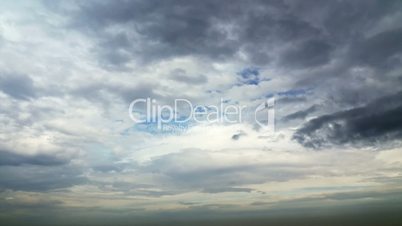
{"points": [[17, 204], [171, 172], [362, 195], [150, 193], [211, 29], [40, 178], [165, 29], [345, 21], [13, 159], [180, 75], [226, 189], [108, 168], [378, 121], [341, 196], [177, 28], [291, 99], [113, 59], [277, 24], [94, 92], [379, 49], [302, 114], [307, 54], [18, 86]]}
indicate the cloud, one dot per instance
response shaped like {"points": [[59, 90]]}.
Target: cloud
{"points": [[39, 177], [100, 92], [66, 134], [302, 114], [219, 190], [18, 86], [220, 31], [219, 171], [211, 30], [380, 49], [164, 29], [375, 122], [13, 159], [180, 75], [306, 54]]}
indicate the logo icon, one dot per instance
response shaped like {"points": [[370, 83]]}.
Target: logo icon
{"points": [[264, 115]]}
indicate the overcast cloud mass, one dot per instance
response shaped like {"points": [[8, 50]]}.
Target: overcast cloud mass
{"points": [[71, 155]]}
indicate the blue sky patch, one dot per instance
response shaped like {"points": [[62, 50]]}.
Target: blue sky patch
{"points": [[249, 76]]}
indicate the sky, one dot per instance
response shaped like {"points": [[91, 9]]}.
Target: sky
{"points": [[71, 153]]}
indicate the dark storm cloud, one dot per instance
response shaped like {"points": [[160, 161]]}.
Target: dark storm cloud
{"points": [[212, 29], [379, 50], [378, 121], [164, 29], [18, 86], [219, 29]]}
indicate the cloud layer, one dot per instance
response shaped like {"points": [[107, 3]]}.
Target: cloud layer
{"points": [[69, 70]]}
